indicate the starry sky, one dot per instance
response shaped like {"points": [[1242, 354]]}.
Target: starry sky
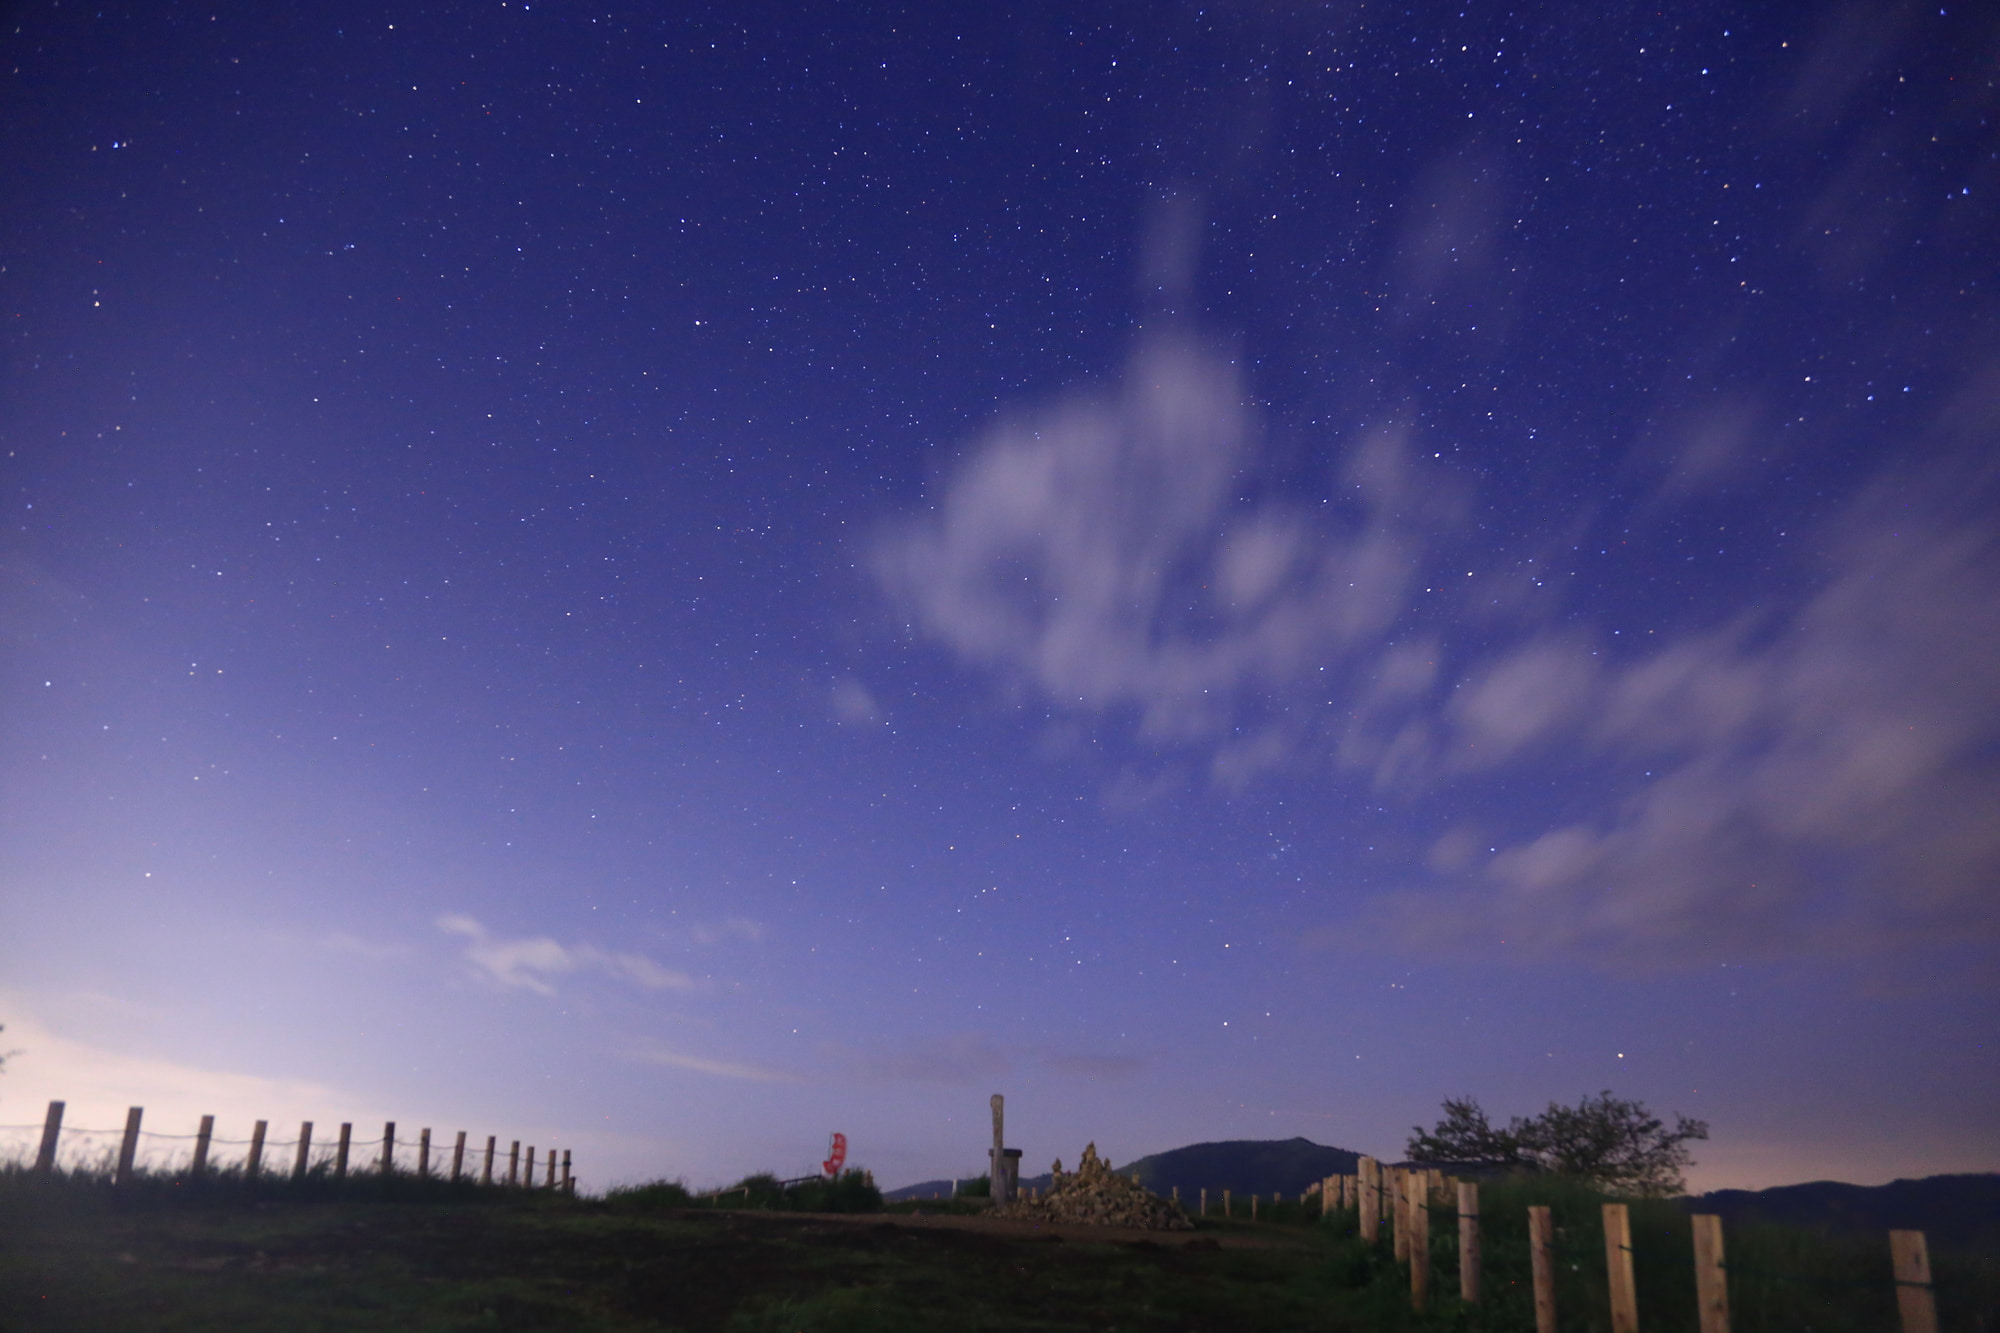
{"points": [[676, 578]]}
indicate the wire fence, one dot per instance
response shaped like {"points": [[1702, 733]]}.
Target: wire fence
{"points": [[315, 1150], [1590, 1263]]}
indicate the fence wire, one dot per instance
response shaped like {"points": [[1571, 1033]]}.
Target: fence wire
{"points": [[88, 1149]]}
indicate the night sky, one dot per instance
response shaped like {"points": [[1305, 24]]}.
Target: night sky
{"points": [[672, 579]]}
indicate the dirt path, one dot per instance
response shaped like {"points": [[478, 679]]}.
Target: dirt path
{"points": [[1023, 1230]]}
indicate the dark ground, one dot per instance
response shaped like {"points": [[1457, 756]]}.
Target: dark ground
{"points": [[553, 1264]]}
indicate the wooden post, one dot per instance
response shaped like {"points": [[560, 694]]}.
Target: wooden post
{"points": [[1419, 1230], [1399, 1212], [1711, 1286], [201, 1141], [568, 1181], [1370, 1184], [997, 1175], [424, 1153], [1468, 1243], [45, 1156], [255, 1161], [1914, 1299], [458, 1157], [1204, 1201], [1618, 1266], [551, 1184], [1541, 1240], [530, 1182], [128, 1147], [486, 1173], [1228, 1206], [305, 1151], [514, 1163], [1253, 1207], [340, 1153], [388, 1147], [1177, 1191]]}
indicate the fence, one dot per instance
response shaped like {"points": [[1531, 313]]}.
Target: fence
{"points": [[333, 1157], [1404, 1201]]}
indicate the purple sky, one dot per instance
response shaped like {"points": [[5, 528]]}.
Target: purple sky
{"points": [[672, 580]]}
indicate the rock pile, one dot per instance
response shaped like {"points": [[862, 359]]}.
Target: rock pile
{"points": [[1094, 1195]]}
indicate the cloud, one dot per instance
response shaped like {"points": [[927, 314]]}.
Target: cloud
{"points": [[98, 1084], [1101, 556], [529, 963], [853, 704], [729, 928], [1822, 780], [964, 1058], [718, 1068], [1820, 767], [1094, 1067]]}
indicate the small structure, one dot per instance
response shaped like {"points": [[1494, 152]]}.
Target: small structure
{"points": [[1095, 1195]]}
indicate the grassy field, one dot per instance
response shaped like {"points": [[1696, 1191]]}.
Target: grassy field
{"points": [[403, 1254], [78, 1255]]}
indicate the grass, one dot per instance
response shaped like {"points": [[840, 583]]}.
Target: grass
{"points": [[397, 1252], [400, 1253], [1781, 1279]]}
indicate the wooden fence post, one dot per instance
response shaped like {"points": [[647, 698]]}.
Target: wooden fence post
{"points": [[424, 1153], [1228, 1206], [1711, 1284], [458, 1157], [1371, 1198], [514, 1163], [1914, 1299], [1253, 1207], [568, 1181], [128, 1147], [1204, 1201], [1399, 1210], [340, 1153], [256, 1159], [305, 1151], [1618, 1268], [530, 1182], [201, 1141], [1419, 1233], [388, 1147], [551, 1183], [45, 1156], [486, 1176], [1541, 1240], [1468, 1242]]}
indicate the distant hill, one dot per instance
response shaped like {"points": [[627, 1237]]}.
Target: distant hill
{"points": [[1246, 1166], [1953, 1212]]}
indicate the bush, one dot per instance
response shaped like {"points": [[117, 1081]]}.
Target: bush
{"points": [[654, 1194]]}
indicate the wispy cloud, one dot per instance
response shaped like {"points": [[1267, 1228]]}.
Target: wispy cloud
{"points": [[717, 1068], [1101, 556], [962, 1058], [1094, 1066], [729, 928], [1819, 767], [853, 703], [531, 963]]}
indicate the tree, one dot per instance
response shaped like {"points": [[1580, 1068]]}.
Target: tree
{"points": [[1616, 1144], [1466, 1135]]}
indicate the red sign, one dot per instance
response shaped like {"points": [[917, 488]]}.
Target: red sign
{"points": [[836, 1156]]}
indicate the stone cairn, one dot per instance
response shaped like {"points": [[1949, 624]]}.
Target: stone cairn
{"points": [[1095, 1195]]}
